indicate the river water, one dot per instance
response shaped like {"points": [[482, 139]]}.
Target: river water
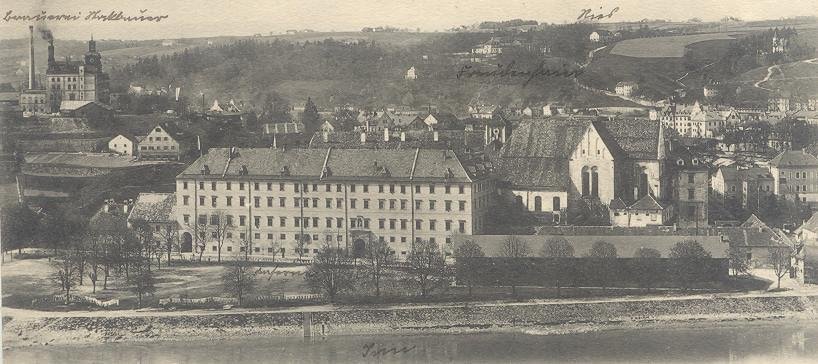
{"points": [[777, 342]]}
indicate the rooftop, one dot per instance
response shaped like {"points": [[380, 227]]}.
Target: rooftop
{"points": [[794, 158], [153, 207]]}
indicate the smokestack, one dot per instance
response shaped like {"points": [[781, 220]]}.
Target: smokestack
{"points": [[51, 52], [31, 84]]}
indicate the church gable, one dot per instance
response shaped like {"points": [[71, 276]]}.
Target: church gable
{"points": [[591, 147]]}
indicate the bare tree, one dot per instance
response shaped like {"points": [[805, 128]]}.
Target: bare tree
{"points": [[65, 272], [169, 239], [142, 280], [301, 242], [467, 254], [377, 258], [739, 262], [427, 264], [557, 247], [331, 272], [221, 227], [515, 248], [95, 256], [780, 258], [239, 279]]}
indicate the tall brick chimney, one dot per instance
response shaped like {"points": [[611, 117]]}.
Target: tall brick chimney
{"points": [[31, 84]]}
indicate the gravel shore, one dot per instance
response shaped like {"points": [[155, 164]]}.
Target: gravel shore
{"points": [[533, 318]]}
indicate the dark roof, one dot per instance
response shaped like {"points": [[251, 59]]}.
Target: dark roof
{"points": [[457, 140], [647, 202], [636, 138], [153, 207], [617, 204], [545, 138], [794, 158], [341, 164], [535, 173], [626, 245]]}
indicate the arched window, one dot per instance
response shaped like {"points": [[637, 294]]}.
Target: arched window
{"points": [[556, 203], [537, 203], [594, 182], [586, 182]]}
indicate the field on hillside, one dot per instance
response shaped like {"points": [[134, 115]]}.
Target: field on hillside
{"points": [[664, 47]]}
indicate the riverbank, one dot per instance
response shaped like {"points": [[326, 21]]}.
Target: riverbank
{"points": [[542, 318]]}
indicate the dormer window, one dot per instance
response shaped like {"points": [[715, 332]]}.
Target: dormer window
{"points": [[158, 130], [285, 171]]}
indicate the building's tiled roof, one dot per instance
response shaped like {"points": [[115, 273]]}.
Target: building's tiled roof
{"points": [[753, 222], [617, 204], [534, 173], [811, 224], [342, 164], [545, 138], [73, 104], [447, 139], [737, 236], [153, 207], [637, 138], [794, 158], [626, 245], [647, 202]]}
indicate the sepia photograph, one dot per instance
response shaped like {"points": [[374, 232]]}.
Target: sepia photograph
{"points": [[408, 181]]}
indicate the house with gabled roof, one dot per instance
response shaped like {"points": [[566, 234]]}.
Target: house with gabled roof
{"points": [[644, 212], [164, 141]]}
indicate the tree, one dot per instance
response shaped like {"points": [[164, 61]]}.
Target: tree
{"points": [[644, 274], [689, 257], [65, 272], [780, 260], [427, 265], [377, 258], [605, 254], [310, 118], [331, 271], [142, 280], [739, 263], [467, 267], [19, 226], [239, 279], [169, 236], [557, 247], [301, 242], [95, 256], [515, 248]]}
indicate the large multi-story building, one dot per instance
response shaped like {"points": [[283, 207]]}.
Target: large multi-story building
{"points": [[795, 175], [690, 191], [75, 80], [696, 121], [273, 199]]}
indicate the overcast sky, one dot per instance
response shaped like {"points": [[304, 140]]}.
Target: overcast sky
{"points": [[202, 18]]}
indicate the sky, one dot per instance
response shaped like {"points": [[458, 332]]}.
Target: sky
{"points": [[207, 18]]}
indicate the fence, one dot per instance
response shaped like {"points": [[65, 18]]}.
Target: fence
{"points": [[198, 301], [76, 299]]}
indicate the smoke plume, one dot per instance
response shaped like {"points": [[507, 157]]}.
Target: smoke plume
{"points": [[45, 33]]}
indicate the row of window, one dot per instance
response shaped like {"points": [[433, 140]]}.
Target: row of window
{"points": [[68, 79], [151, 147], [329, 203], [315, 222], [158, 139], [298, 187]]}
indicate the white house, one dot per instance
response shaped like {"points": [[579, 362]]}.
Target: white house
{"points": [[411, 74], [626, 88], [123, 144], [600, 36]]}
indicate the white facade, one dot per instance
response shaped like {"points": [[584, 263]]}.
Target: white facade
{"points": [[123, 145]]}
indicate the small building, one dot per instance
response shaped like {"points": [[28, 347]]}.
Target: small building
{"points": [[93, 111], [33, 102], [284, 128], [626, 88], [600, 35], [162, 142], [155, 212], [411, 74], [123, 144], [691, 190], [807, 233], [644, 212]]}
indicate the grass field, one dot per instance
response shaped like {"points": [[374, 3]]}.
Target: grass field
{"points": [[664, 47], [24, 280]]}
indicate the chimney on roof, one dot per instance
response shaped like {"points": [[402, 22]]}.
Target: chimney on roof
{"points": [[363, 137], [386, 134], [435, 136]]}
